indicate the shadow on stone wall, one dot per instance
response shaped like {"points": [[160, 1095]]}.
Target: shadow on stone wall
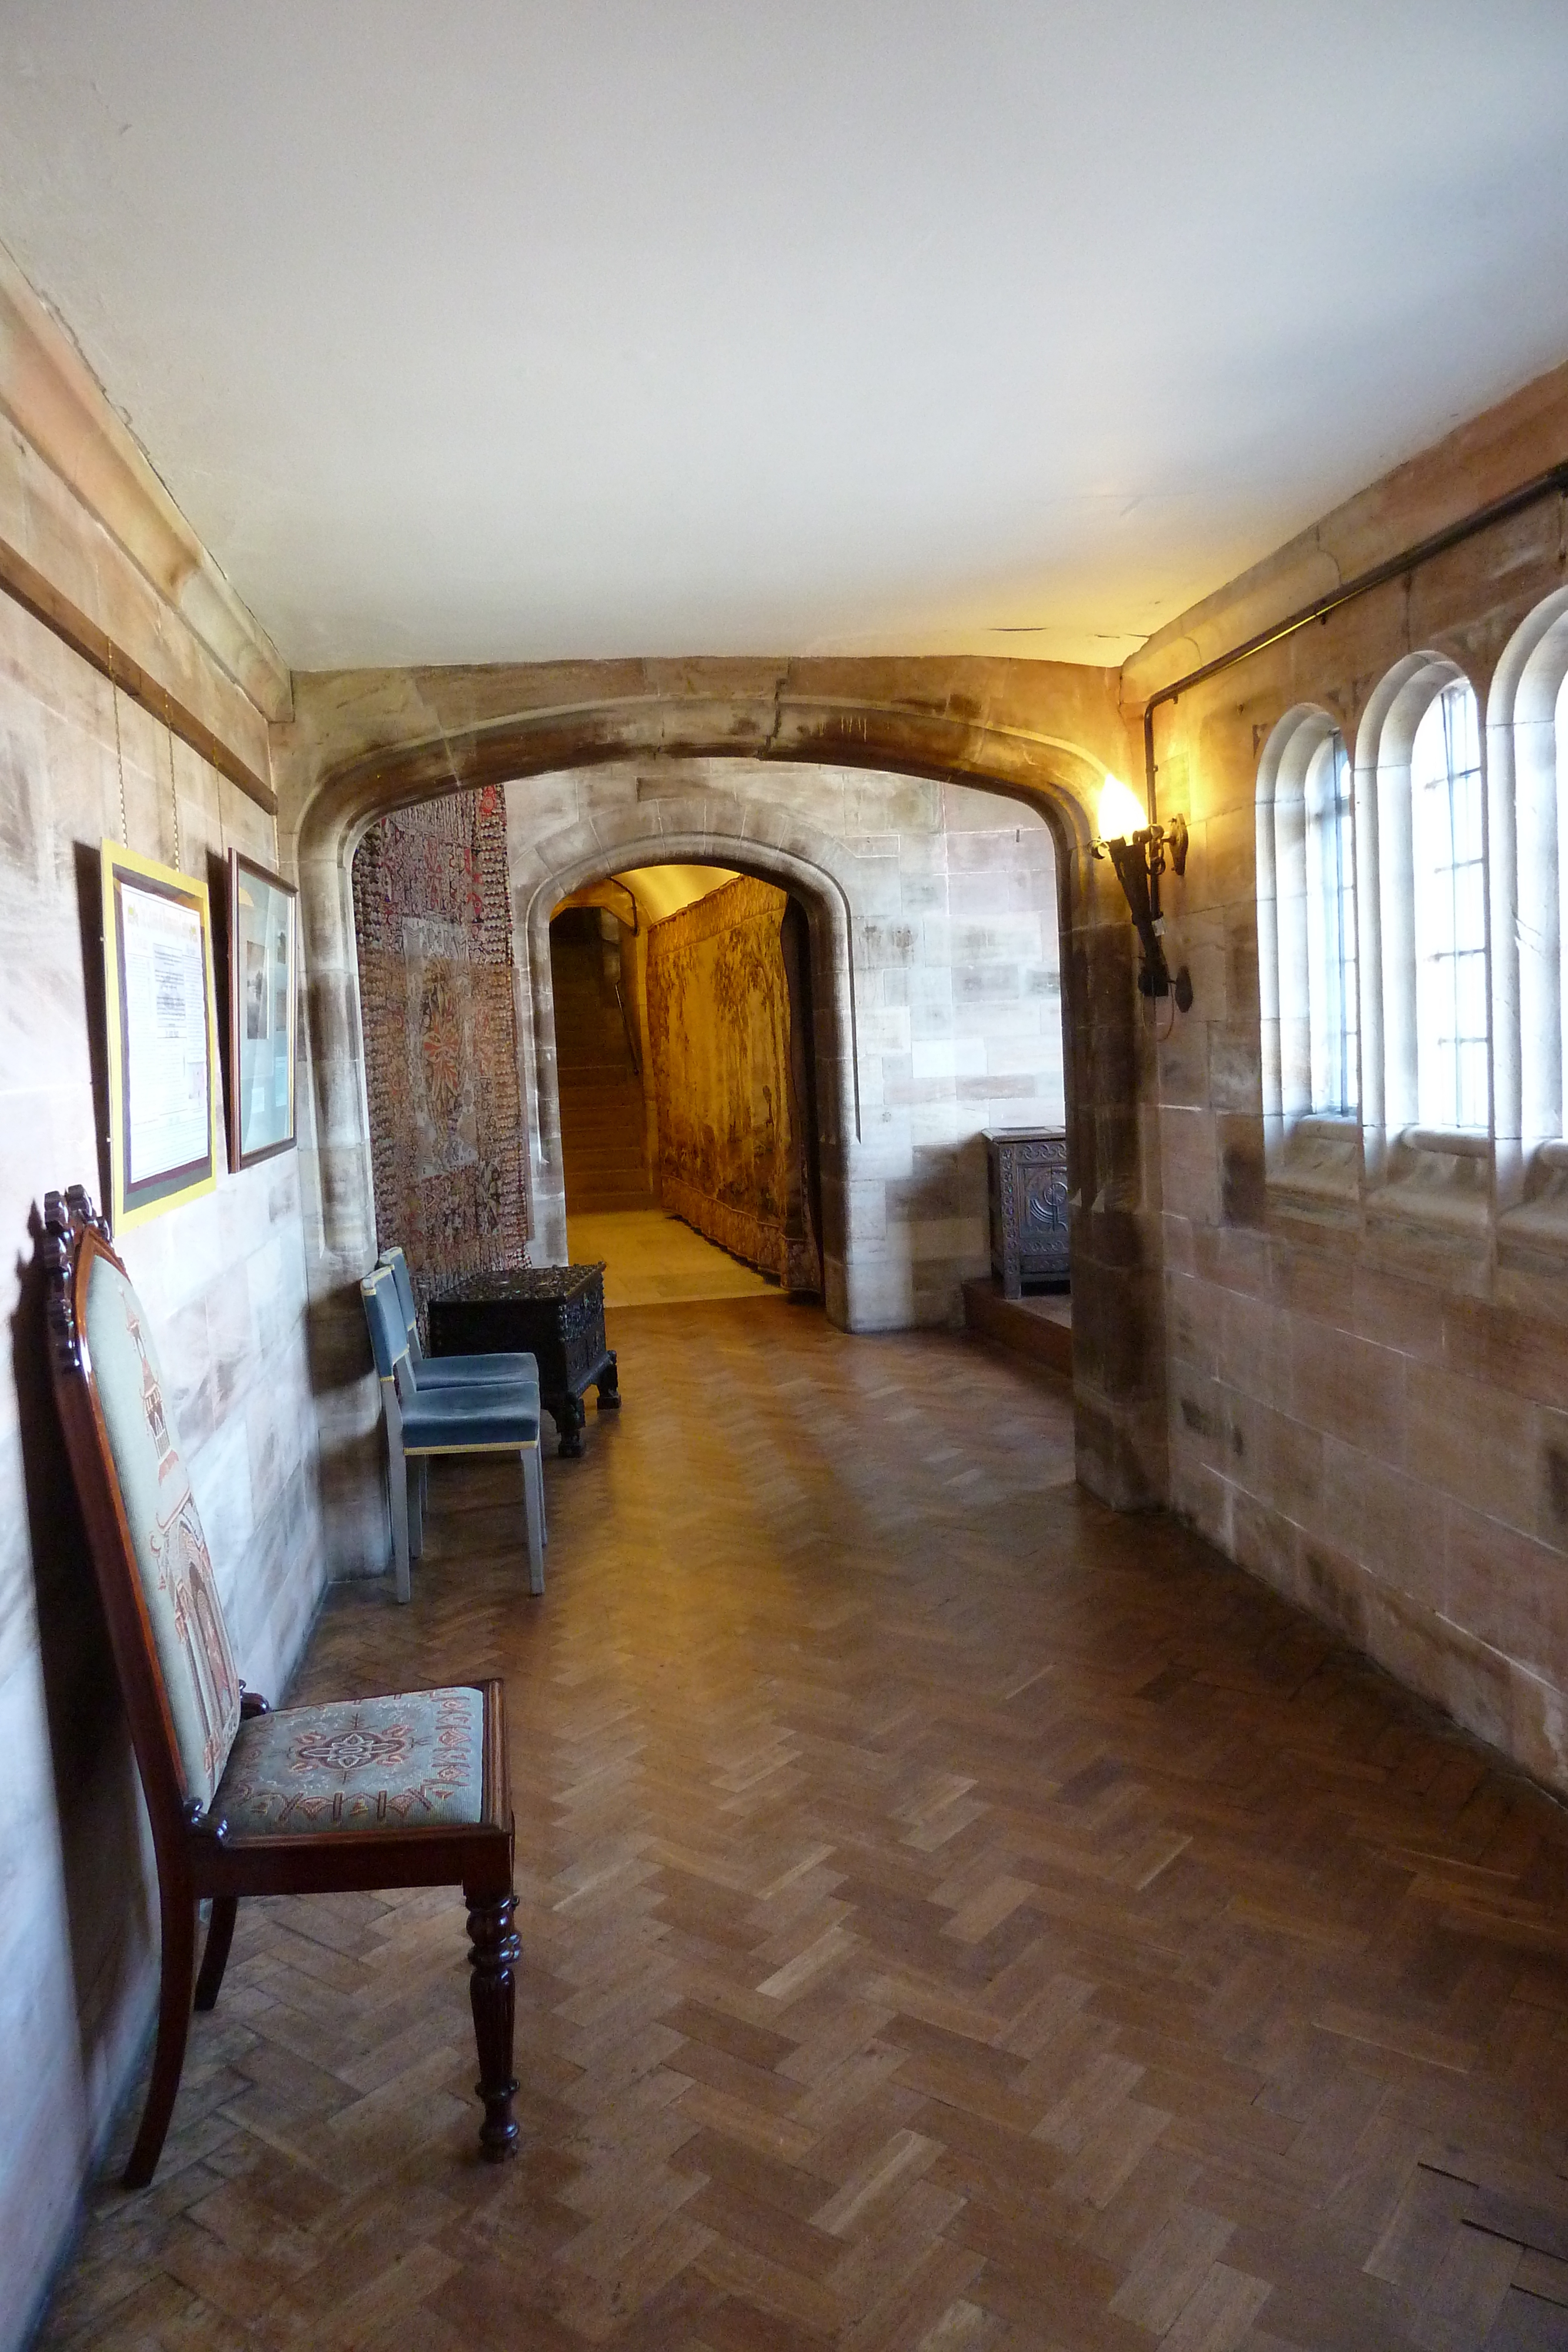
{"points": [[90, 919], [98, 1799]]}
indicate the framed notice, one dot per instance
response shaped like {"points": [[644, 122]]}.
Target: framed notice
{"points": [[162, 1037], [262, 1011]]}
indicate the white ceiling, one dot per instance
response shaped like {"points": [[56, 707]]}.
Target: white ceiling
{"points": [[484, 330]]}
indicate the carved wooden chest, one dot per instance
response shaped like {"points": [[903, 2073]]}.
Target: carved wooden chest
{"points": [[1027, 1177], [554, 1313]]}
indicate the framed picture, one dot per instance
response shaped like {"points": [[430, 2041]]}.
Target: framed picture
{"points": [[262, 1011], [162, 1037]]}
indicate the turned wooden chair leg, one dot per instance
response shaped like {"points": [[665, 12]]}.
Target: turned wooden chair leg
{"points": [[178, 1916], [494, 1946], [215, 1953]]}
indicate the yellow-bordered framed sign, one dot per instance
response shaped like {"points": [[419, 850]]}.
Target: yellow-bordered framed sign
{"points": [[163, 1140]]}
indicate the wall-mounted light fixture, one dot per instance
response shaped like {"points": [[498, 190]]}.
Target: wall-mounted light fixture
{"points": [[1140, 854]]}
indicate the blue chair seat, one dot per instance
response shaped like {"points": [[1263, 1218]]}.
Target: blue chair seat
{"points": [[445, 1421], [453, 1371], [477, 1373]]}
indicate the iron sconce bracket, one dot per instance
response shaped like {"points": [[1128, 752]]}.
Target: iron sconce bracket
{"points": [[1140, 859]]}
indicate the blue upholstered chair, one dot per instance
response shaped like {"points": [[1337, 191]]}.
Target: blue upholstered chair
{"points": [[421, 1423], [409, 1790], [498, 1370]]}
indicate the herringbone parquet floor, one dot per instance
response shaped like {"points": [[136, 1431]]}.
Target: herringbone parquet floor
{"points": [[955, 1917]]}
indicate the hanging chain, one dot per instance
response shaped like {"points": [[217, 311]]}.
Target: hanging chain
{"points": [[118, 754]]}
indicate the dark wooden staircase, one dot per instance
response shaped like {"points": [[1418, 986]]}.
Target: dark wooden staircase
{"points": [[603, 1132]]}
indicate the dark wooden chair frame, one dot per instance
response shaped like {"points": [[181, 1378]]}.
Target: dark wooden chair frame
{"points": [[197, 1858]]}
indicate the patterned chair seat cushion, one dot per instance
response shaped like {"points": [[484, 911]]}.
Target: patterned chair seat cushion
{"points": [[410, 1761]]}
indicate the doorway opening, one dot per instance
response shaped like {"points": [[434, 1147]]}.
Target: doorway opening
{"points": [[599, 1062], [687, 1071]]}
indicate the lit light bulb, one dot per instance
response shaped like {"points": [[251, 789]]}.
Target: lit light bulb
{"points": [[1120, 813]]}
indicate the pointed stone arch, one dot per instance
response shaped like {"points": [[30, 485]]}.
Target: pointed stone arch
{"points": [[809, 869]]}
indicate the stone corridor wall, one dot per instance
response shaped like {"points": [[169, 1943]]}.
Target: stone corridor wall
{"points": [[224, 1283], [435, 936], [732, 1136], [1368, 1399]]}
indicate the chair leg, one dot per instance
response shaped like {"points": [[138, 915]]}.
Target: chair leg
{"points": [[533, 1514], [397, 1486], [216, 1956], [493, 1946], [417, 1478], [178, 1916]]}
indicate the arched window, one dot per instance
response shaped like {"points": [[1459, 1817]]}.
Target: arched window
{"points": [[1527, 757], [1424, 990], [1448, 872], [1307, 924], [1332, 1006]]}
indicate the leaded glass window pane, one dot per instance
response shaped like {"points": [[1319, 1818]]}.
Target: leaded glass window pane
{"points": [[1450, 913], [1330, 930]]}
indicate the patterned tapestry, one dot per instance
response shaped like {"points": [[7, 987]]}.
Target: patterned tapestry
{"points": [[434, 923], [732, 1140]]}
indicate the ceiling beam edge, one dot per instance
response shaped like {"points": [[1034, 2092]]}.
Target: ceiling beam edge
{"points": [[27, 586]]}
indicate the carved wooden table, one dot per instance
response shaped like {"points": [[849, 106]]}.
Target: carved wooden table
{"points": [[554, 1313], [1026, 1179]]}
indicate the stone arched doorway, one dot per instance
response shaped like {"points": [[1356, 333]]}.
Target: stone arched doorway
{"points": [[370, 745], [830, 917]]}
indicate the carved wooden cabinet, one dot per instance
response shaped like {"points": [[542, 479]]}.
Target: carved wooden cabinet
{"points": [[553, 1313], [1027, 1178]]}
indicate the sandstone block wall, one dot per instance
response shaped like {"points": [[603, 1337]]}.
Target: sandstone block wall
{"points": [[1368, 1389], [224, 1282]]}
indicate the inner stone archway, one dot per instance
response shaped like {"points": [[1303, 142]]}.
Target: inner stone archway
{"points": [[638, 840]]}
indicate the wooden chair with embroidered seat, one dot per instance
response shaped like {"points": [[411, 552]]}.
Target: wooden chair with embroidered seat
{"points": [[408, 1790]]}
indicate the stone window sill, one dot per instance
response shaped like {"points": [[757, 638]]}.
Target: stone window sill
{"points": [[1540, 1221], [1438, 1178], [1318, 1161], [1317, 1170], [1447, 1142]]}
